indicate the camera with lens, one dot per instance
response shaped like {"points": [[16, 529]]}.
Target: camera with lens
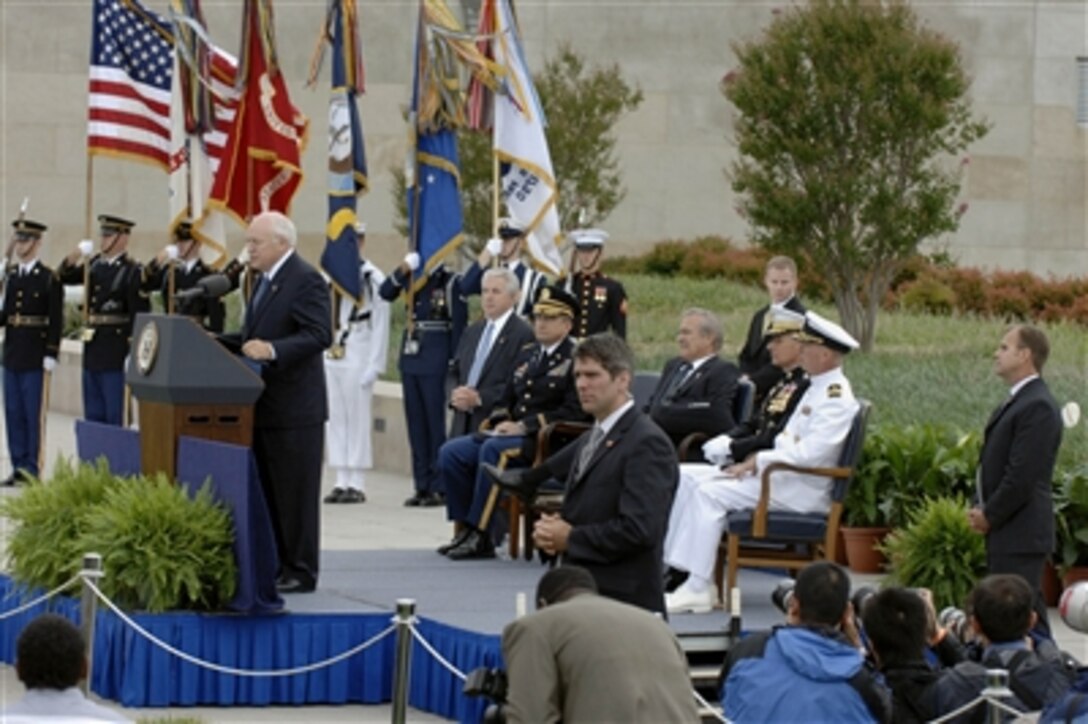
{"points": [[955, 620], [783, 594], [490, 683]]}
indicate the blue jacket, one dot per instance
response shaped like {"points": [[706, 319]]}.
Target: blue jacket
{"points": [[796, 673]]}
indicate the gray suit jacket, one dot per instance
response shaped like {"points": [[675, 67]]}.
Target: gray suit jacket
{"points": [[497, 371], [591, 659], [1017, 460]]}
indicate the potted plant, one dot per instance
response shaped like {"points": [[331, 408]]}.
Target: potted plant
{"points": [[937, 550], [1071, 514]]}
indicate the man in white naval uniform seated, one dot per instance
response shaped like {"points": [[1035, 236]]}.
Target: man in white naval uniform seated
{"points": [[813, 437], [352, 365]]}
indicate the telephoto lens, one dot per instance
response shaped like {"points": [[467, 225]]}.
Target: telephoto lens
{"points": [[860, 596], [1074, 606], [783, 594], [955, 620]]}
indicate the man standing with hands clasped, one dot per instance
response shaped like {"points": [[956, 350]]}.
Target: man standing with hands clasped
{"points": [[1014, 508]]}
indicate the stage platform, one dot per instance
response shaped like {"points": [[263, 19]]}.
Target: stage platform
{"points": [[462, 608]]}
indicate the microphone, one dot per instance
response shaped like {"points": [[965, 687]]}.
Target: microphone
{"points": [[211, 287]]}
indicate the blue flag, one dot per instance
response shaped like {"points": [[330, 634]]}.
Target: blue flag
{"points": [[435, 220], [347, 155]]}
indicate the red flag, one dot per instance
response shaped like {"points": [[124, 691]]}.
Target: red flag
{"points": [[260, 167]]}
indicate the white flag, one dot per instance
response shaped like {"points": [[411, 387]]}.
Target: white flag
{"points": [[528, 182], [194, 159]]}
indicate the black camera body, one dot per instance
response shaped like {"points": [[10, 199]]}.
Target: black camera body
{"points": [[490, 683]]}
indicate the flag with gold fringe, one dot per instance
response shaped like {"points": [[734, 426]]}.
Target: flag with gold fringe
{"points": [[260, 168], [347, 178]]}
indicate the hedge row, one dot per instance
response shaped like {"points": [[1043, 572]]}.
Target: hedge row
{"points": [[925, 283]]}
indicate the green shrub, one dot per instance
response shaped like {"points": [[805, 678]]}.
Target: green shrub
{"points": [[928, 295], [1071, 512], [937, 550], [45, 549], [162, 549]]}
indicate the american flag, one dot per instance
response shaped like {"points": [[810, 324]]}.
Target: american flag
{"points": [[132, 58]]}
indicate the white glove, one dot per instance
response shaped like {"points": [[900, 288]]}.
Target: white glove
{"points": [[49, 363], [171, 252], [494, 246], [86, 247], [717, 450], [369, 377], [411, 260]]}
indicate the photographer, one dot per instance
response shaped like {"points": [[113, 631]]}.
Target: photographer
{"points": [[584, 657], [811, 669]]}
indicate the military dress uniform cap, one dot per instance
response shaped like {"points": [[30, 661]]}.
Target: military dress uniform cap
{"points": [[589, 238], [553, 301], [114, 224], [783, 321], [27, 229], [510, 229], [360, 228], [184, 231], [820, 330]]}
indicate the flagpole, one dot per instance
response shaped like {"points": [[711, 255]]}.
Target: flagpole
{"points": [[494, 158], [89, 198], [416, 191]]}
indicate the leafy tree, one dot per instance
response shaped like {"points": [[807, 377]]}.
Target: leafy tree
{"points": [[851, 115], [582, 106]]}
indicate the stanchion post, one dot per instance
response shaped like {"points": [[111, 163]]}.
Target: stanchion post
{"points": [[406, 614], [88, 607], [997, 688]]}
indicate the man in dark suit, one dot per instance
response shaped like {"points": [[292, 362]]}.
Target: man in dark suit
{"points": [[696, 389], [286, 330], [780, 279], [1014, 508], [485, 356], [540, 390], [620, 478], [33, 311]]}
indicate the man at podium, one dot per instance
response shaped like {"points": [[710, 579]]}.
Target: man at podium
{"points": [[286, 330]]}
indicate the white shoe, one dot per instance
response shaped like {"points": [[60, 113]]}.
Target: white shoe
{"points": [[684, 600]]}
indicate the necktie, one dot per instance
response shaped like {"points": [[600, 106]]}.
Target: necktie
{"points": [[676, 379], [258, 294], [586, 454], [481, 354]]}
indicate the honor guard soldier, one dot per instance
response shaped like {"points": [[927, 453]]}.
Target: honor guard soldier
{"points": [[437, 317], [507, 250], [113, 295], [182, 260], [33, 312], [602, 301], [352, 366]]}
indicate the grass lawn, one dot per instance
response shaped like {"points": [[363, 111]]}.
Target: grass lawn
{"points": [[925, 369]]}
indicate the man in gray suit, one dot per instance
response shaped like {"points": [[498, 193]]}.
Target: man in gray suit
{"points": [[1015, 508], [583, 657]]}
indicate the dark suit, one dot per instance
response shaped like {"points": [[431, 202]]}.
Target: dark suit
{"points": [[289, 421], [33, 313], [1019, 450], [499, 366], [702, 403], [754, 357], [618, 507]]}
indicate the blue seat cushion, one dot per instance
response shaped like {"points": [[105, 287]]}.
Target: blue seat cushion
{"points": [[781, 525]]}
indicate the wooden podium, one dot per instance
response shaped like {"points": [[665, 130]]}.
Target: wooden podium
{"points": [[187, 384]]}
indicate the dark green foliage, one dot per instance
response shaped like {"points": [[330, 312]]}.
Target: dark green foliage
{"points": [[937, 550], [848, 112], [1071, 509]]}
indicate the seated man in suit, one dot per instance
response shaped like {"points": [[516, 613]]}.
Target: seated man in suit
{"points": [[540, 390], [485, 355], [780, 279], [812, 438], [696, 389]]}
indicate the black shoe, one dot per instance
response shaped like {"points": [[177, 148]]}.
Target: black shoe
{"points": [[336, 496], [454, 542], [432, 500], [294, 585], [351, 495], [476, 545], [674, 578], [414, 501], [522, 482], [8, 482]]}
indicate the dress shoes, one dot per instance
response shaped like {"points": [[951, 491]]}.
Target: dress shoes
{"points": [[351, 495], [684, 600], [336, 496], [454, 542], [520, 481], [476, 545], [9, 481], [423, 499], [674, 578], [290, 584]]}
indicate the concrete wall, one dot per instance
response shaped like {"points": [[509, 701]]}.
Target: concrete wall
{"points": [[1025, 183]]}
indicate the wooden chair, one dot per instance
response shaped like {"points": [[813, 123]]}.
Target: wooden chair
{"points": [[779, 539], [743, 403]]}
